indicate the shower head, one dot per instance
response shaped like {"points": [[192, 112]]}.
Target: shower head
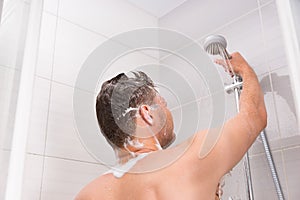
{"points": [[216, 45]]}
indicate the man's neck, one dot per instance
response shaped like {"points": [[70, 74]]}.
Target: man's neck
{"points": [[124, 155]]}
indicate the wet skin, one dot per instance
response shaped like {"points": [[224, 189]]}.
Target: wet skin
{"points": [[179, 172]]}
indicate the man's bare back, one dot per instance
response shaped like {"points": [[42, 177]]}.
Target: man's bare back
{"points": [[181, 172], [182, 179]]}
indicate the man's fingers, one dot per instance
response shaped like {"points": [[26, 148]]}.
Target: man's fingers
{"points": [[224, 64], [220, 62]]}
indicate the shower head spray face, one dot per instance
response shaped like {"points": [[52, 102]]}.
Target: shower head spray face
{"points": [[216, 45]]}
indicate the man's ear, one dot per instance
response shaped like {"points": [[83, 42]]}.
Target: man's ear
{"points": [[145, 112]]}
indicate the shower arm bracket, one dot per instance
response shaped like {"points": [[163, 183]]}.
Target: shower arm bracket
{"points": [[235, 85]]}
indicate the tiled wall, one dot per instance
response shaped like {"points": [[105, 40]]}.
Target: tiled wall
{"points": [[252, 28], [57, 164]]}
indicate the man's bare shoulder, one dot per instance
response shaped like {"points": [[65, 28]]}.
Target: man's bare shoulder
{"points": [[95, 190]]}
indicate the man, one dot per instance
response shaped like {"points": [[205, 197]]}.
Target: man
{"points": [[135, 120]]}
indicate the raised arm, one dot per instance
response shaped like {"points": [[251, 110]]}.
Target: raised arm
{"points": [[238, 133]]}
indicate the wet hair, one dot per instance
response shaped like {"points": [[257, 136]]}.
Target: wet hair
{"points": [[115, 99]]}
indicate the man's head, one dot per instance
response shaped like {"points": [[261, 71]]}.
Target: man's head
{"points": [[128, 107]]}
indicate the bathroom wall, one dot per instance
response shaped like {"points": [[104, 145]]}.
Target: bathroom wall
{"points": [[252, 28], [57, 164]]}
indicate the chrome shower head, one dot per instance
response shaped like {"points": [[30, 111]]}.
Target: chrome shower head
{"points": [[216, 45]]}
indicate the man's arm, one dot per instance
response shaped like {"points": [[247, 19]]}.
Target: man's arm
{"points": [[238, 133]]}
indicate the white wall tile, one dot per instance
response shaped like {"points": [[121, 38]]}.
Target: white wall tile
{"points": [[186, 119], [73, 46], [51, 6], [271, 130], [292, 164], [38, 117], [284, 102], [63, 179], [205, 113], [290, 142], [245, 36], [275, 48], [133, 61], [189, 75], [263, 2], [197, 18], [46, 46], [32, 177], [195, 99], [235, 183], [107, 17], [62, 138], [263, 185], [230, 106], [87, 128]]}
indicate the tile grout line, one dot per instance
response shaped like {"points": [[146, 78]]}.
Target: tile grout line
{"points": [[264, 154], [49, 103], [286, 147], [64, 84], [66, 159], [285, 175], [173, 8], [292, 147], [143, 10]]}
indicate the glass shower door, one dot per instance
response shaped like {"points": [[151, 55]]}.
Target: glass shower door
{"points": [[13, 26]]}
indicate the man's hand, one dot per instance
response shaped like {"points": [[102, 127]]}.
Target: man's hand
{"points": [[236, 65], [238, 133]]}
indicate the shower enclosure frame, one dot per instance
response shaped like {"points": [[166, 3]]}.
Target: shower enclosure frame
{"points": [[1, 7], [292, 48], [14, 184]]}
